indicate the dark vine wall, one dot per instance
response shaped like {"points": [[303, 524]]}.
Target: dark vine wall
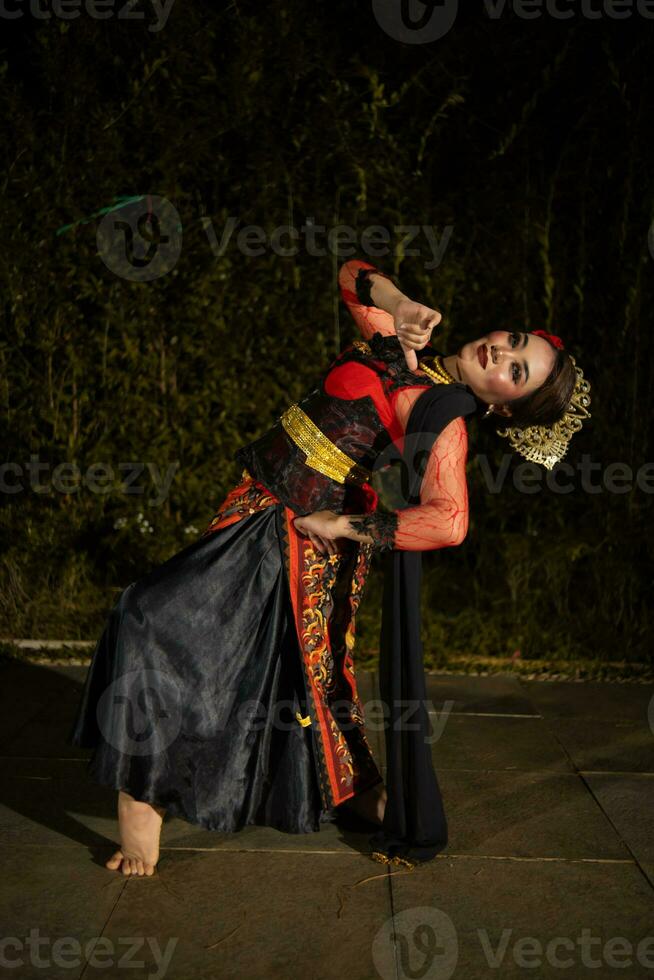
{"points": [[508, 165]]}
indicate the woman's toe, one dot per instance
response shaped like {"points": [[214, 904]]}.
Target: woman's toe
{"points": [[149, 869], [114, 861], [139, 867]]}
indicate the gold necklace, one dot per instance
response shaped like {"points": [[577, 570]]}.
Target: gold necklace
{"points": [[437, 371]]}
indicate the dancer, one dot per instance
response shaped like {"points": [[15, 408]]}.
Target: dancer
{"points": [[223, 688]]}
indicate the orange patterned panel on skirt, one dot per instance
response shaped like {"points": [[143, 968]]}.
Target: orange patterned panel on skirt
{"points": [[245, 498]]}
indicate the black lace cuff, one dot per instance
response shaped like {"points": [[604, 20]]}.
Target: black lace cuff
{"points": [[380, 525], [363, 285]]}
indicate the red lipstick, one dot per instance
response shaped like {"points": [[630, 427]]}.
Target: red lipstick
{"points": [[482, 355]]}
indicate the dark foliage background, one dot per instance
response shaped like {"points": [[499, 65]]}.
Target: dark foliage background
{"points": [[530, 138]]}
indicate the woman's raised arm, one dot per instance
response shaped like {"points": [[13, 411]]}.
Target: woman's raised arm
{"points": [[378, 306], [357, 280]]}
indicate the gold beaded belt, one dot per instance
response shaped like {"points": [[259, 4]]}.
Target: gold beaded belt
{"points": [[321, 453]]}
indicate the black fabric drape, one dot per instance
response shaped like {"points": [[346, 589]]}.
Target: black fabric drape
{"points": [[415, 826], [191, 695]]}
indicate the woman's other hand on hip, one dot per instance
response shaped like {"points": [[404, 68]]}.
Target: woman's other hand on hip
{"points": [[322, 527]]}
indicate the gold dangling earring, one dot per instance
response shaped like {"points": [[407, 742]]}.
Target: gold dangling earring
{"points": [[489, 411]]}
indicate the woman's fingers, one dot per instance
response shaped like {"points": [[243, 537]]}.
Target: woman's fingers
{"points": [[319, 543], [322, 544], [411, 342], [410, 358], [416, 335], [315, 541], [326, 546], [413, 335], [329, 544]]}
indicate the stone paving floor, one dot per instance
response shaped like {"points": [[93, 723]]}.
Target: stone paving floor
{"points": [[549, 872]]}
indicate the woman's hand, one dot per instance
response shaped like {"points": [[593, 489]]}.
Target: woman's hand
{"points": [[413, 326], [322, 527]]}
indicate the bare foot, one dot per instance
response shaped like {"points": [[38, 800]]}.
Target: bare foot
{"points": [[371, 804], [140, 829]]}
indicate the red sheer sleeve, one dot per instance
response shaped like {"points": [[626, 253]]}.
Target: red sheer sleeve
{"points": [[354, 288], [440, 520]]}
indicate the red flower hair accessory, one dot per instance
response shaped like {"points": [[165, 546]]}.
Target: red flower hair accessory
{"points": [[553, 339]]}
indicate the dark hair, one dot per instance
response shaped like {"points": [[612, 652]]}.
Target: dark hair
{"points": [[546, 404]]}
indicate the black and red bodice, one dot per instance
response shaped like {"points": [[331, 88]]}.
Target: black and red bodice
{"points": [[362, 427]]}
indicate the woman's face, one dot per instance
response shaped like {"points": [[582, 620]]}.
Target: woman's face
{"points": [[505, 365]]}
